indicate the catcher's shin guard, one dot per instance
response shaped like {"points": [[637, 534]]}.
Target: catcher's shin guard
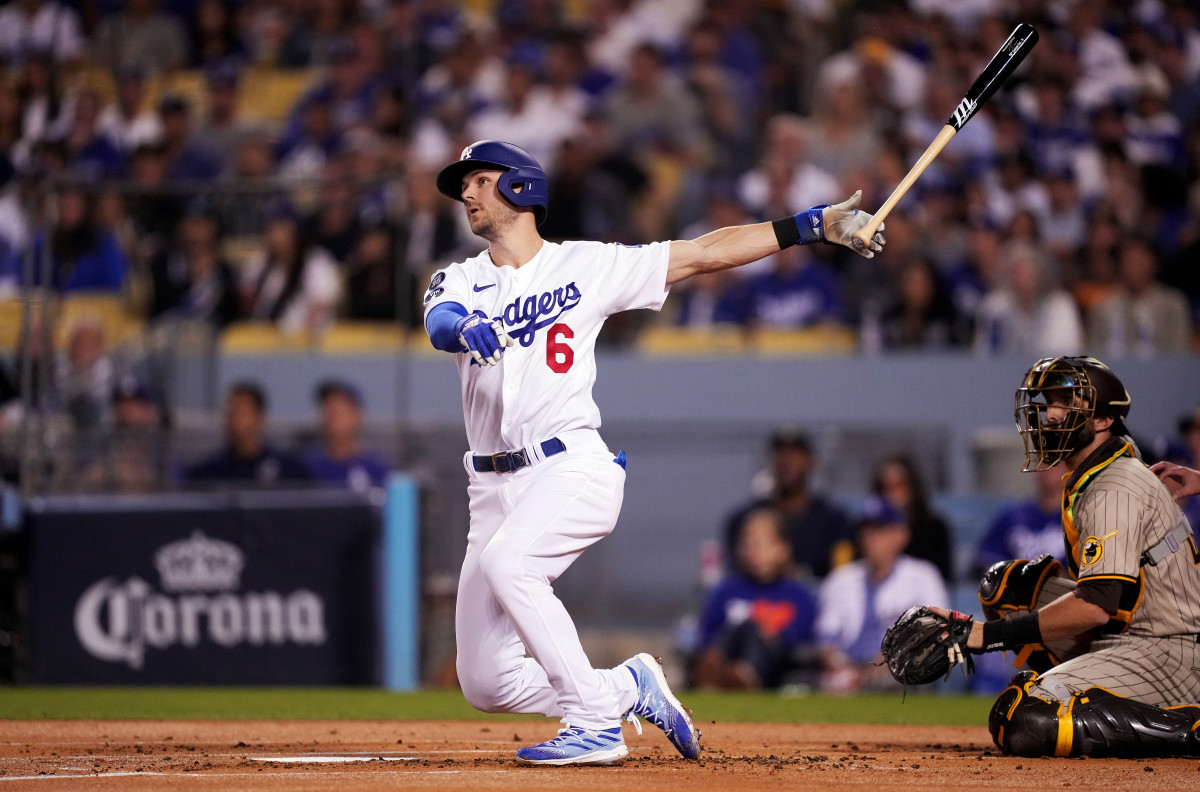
{"points": [[1094, 722], [1010, 586]]}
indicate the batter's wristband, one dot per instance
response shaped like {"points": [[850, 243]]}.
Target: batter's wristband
{"points": [[1012, 632], [804, 228]]}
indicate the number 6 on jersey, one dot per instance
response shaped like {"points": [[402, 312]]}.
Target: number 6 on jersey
{"points": [[559, 356]]}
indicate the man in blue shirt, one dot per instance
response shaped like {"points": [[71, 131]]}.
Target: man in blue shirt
{"points": [[1028, 528], [247, 457], [339, 459]]}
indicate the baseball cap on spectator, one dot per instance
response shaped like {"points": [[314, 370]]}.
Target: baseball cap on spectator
{"points": [[790, 437], [330, 387], [174, 103], [1189, 422], [880, 511]]}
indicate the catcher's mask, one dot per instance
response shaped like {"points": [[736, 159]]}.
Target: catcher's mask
{"points": [[1083, 388]]}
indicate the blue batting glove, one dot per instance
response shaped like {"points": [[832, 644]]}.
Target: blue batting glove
{"points": [[484, 338]]}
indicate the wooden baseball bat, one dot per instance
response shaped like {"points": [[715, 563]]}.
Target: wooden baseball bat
{"points": [[1010, 55]]}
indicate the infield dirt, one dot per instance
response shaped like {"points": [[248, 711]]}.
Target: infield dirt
{"points": [[303, 755]]}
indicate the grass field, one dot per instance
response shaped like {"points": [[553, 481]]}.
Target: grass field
{"points": [[71, 703]]}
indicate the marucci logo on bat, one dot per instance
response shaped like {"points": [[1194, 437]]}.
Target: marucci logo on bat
{"points": [[966, 108]]}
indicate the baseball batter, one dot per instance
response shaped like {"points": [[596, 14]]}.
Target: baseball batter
{"points": [[521, 320], [1112, 648]]}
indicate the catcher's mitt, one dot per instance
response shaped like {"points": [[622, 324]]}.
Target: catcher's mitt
{"points": [[922, 646]]}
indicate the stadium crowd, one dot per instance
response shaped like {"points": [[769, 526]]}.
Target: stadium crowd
{"points": [[1065, 215]]}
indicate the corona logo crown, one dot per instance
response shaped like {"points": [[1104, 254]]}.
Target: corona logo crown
{"points": [[199, 564]]}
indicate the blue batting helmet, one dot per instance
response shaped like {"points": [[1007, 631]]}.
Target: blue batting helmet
{"points": [[520, 169]]}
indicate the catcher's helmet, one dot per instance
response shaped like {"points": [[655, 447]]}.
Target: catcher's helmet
{"points": [[1084, 388], [520, 169]]}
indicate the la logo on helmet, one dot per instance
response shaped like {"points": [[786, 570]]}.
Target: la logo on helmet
{"points": [[466, 153]]}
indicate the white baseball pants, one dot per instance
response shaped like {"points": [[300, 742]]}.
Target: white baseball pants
{"points": [[527, 528]]}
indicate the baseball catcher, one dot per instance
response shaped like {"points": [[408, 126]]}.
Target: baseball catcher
{"points": [[1110, 644]]}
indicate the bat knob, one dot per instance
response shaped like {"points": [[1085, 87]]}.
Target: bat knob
{"points": [[856, 243]]}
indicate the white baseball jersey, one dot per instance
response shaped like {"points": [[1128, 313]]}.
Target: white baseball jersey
{"points": [[553, 307]]}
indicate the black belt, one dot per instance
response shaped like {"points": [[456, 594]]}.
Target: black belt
{"points": [[509, 461]]}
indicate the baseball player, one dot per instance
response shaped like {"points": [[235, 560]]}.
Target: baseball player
{"points": [[1112, 647], [521, 321]]}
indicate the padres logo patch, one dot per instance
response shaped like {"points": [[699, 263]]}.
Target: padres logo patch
{"points": [[1093, 549]]}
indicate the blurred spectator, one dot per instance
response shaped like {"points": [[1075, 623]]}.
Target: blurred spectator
{"points": [[1053, 133], [47, 111], [1155, 134], [191, 279], [758, 621], [1107, 139], [335, 223], [785, 181], [817, 529], [1144, 318], [843, 136], [652, 112], [187, 158], [525, 115], [1027, 528], [727, 99], [1105, 73], [428, 235], [79, 255], [213, 35], [895, 80], [43, 25], [303, 154], [292, 282], [1011, 187], [1172, 54], [616, 28], [127, 122], [1064, 228], [90, 155], [86, 375], [374, 289], [1027, 313], [1092, 275], [14, 221], [320, 32], [253, 191], [132, 457], [153, 210], [1184, 450], [799, 291], [140, 35], [12, 122], [347, 94], [363, 160], [698, 301], [247, 457], [222, 128], [859, 601], [338, 458], [898, 480], [407, 53], [923, 316]]}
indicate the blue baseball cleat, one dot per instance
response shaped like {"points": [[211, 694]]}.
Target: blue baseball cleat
{"points": [[575, 746], [658, 705]]}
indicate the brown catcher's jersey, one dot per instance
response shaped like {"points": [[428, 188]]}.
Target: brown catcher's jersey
{"points": [[1114, 511]]}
